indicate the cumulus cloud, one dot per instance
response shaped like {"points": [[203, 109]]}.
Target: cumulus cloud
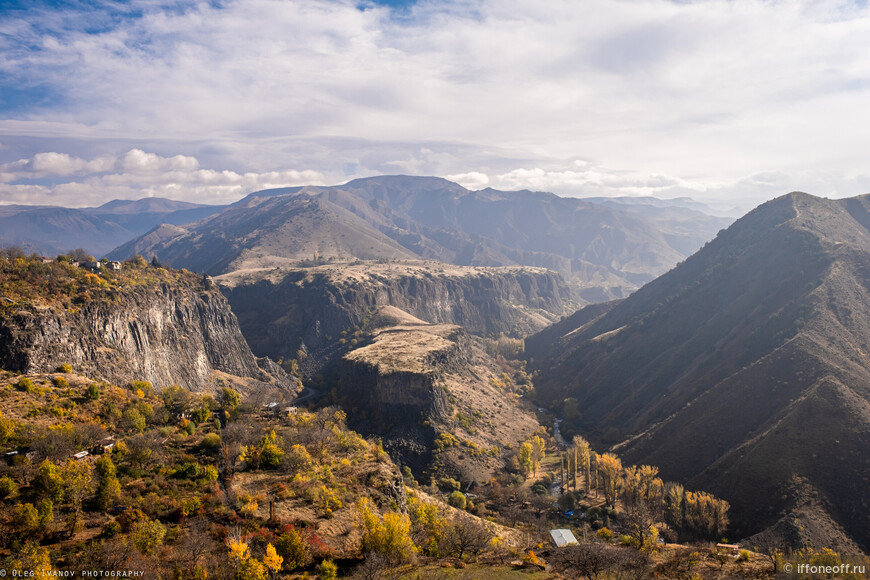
{"points": [[471, 180], [133, 175]]}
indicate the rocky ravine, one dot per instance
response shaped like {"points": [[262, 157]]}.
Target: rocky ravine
{"points": [[163, 334], [283, 310]]}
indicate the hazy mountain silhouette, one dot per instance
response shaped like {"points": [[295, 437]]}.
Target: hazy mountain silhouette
{"points": [[52, 230]]}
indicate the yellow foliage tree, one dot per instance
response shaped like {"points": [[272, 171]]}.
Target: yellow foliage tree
{"points": [[387, 535], [272, 560], [239, 550], [610, 469]]}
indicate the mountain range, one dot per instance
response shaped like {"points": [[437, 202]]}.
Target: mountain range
{"points": [[743, 371], [606, 251], [52, 230]]}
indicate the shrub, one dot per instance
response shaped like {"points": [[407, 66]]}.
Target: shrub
{"points": [[144, 386], [457, 499], [64, 368], [744, 556], [211, 442], [8, 487], [327, 570], [25, 385], [60, 382], [604, 534], [92, 393], [111, 529]]}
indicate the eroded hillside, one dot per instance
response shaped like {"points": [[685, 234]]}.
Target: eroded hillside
{"points": [[742, 371], [317, 310], [140, 321]]}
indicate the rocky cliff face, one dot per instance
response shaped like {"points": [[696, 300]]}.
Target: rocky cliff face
{"points": [[283, 310], [166, 335], [422, 388]]}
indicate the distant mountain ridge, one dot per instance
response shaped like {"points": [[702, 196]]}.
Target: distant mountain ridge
{"points": [[53, 230], [607, 251], [743, 371]]}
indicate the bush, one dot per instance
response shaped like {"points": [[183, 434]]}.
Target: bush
{"points": [[60, 382], [744, 556], [25, 385], [8, 487], [457, 499], [211, 442], [111, 529], [146, 388], [64, 368], [604, 534], [327, 570], [92, 393]]}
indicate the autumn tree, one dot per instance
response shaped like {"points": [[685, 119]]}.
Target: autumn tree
{"points": [[609, 470], [387, 535], [272, 560], [32, 560], [526, 458], [109, 488], [539, 447], [49, 481], [147, 535], [293, 549], [583, 462]]}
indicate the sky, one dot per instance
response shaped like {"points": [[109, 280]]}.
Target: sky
{"points": [[731, 102]]}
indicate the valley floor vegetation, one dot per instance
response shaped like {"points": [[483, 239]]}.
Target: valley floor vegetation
{"points": [[181, 485]]}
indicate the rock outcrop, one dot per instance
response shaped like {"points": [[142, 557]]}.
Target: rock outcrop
{"points": [[163, 334], [422, 388], [283, 310]]}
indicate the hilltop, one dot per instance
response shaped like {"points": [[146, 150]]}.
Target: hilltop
{"points": [[604, 251], [742, 371]]}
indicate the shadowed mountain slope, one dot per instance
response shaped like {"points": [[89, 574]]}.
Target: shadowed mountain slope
{"points": [[743, 371], [607, 251]]}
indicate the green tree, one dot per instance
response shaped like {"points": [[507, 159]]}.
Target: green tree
{"points": [[327, 570], [228, 399], [92, 393], [133, 420]]}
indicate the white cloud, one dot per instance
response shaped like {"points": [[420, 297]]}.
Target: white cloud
{"points": [[685, 96], [136, 174], [472, 180]]}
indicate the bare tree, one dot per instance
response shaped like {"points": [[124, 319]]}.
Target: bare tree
{"points": [[145, 449], [466, 535]]}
